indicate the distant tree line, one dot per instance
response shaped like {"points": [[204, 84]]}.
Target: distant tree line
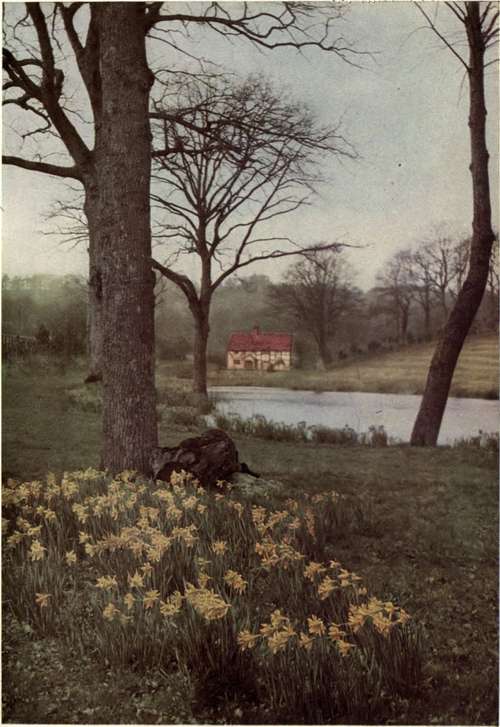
{"points": [[331, 319], [50, 308]]}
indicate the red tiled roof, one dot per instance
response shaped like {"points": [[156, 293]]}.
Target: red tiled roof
{"points": [[257, 341]]}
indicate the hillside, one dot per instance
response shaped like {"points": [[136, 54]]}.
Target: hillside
{"points": [[400, 372]]}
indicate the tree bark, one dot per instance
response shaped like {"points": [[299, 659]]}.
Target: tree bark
{"points": [[428, 422], [325, 355], [200, 345], [124, 239], [94, 307]]}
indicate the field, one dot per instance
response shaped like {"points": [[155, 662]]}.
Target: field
{"points": [[399, 372], [421, 531]]}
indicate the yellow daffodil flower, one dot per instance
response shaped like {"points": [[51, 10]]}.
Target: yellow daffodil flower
{"points": [[110, 612], [129, 600], [326, 586], [235, 580], [37, 551], [219, 547], [313, 569], [150, 598], [316, 626], [246, 640], [136, 581], [42, 599], [106, 583]]}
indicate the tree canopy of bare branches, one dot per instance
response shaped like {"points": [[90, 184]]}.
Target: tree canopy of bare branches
{"points": [[244, 157], [318, 293]]}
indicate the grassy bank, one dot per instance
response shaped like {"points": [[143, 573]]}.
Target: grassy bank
{"points": [[399, 372], [422, 532]]}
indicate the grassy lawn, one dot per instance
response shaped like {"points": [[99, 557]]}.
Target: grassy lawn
{"points": [[423, 534], [400, 372]]}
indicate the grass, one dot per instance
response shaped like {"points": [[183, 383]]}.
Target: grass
{"points": [[422, 532], [400, 372]]}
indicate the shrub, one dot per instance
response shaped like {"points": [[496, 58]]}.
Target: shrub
{"points": [[247, 599]]}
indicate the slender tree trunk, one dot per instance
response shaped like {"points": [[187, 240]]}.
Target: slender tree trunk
{"points": [[123, 173], [94, 307], [325, 354], [428, 422], [200, 345], [427, 314]]}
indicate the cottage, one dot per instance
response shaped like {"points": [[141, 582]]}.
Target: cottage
{"points": [[260, 351]]}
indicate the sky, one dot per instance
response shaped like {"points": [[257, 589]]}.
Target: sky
{"points": [[404, 111]]}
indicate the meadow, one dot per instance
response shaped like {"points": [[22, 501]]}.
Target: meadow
{"points": [[135, 603]]}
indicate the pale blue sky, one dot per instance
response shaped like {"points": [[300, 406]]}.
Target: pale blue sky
{"points": [[405, 112]]}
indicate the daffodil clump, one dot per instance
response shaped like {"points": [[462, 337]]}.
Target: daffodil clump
{"points": [[149, 572]]}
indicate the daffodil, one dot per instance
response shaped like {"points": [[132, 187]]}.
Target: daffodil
{"points": [[344, 647], [15, 538], [326, 586], [172, 605], [129, 600], [259, 514], [335, 632], [70, 557], [203, 579], [236, 581], [316, 626], [90, 549], [136, 581], [306, 641], [37, 551], [219, 547], [110, 612], [150, 598], [206, 602], [237, 507], [246, 640], [42, 599], [106, 583], [313, 569], [23, 524]]}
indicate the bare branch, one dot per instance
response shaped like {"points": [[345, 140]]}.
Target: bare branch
{"points": [[432, 26], [53, 169]]}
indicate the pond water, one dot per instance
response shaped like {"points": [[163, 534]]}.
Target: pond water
{"points": [[397, 412]]}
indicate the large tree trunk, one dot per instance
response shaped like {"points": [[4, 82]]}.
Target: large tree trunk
{"points": [[428, 422], [123, 173], [94, 300]]}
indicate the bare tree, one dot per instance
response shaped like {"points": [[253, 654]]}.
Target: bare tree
{"points": [[479, 22], [395, 286], [224, 189], [420, 272], [439, 253], [107, 45], [318, 293]]}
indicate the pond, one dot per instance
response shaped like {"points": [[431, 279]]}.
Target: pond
{"points": [[397, 412]]}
